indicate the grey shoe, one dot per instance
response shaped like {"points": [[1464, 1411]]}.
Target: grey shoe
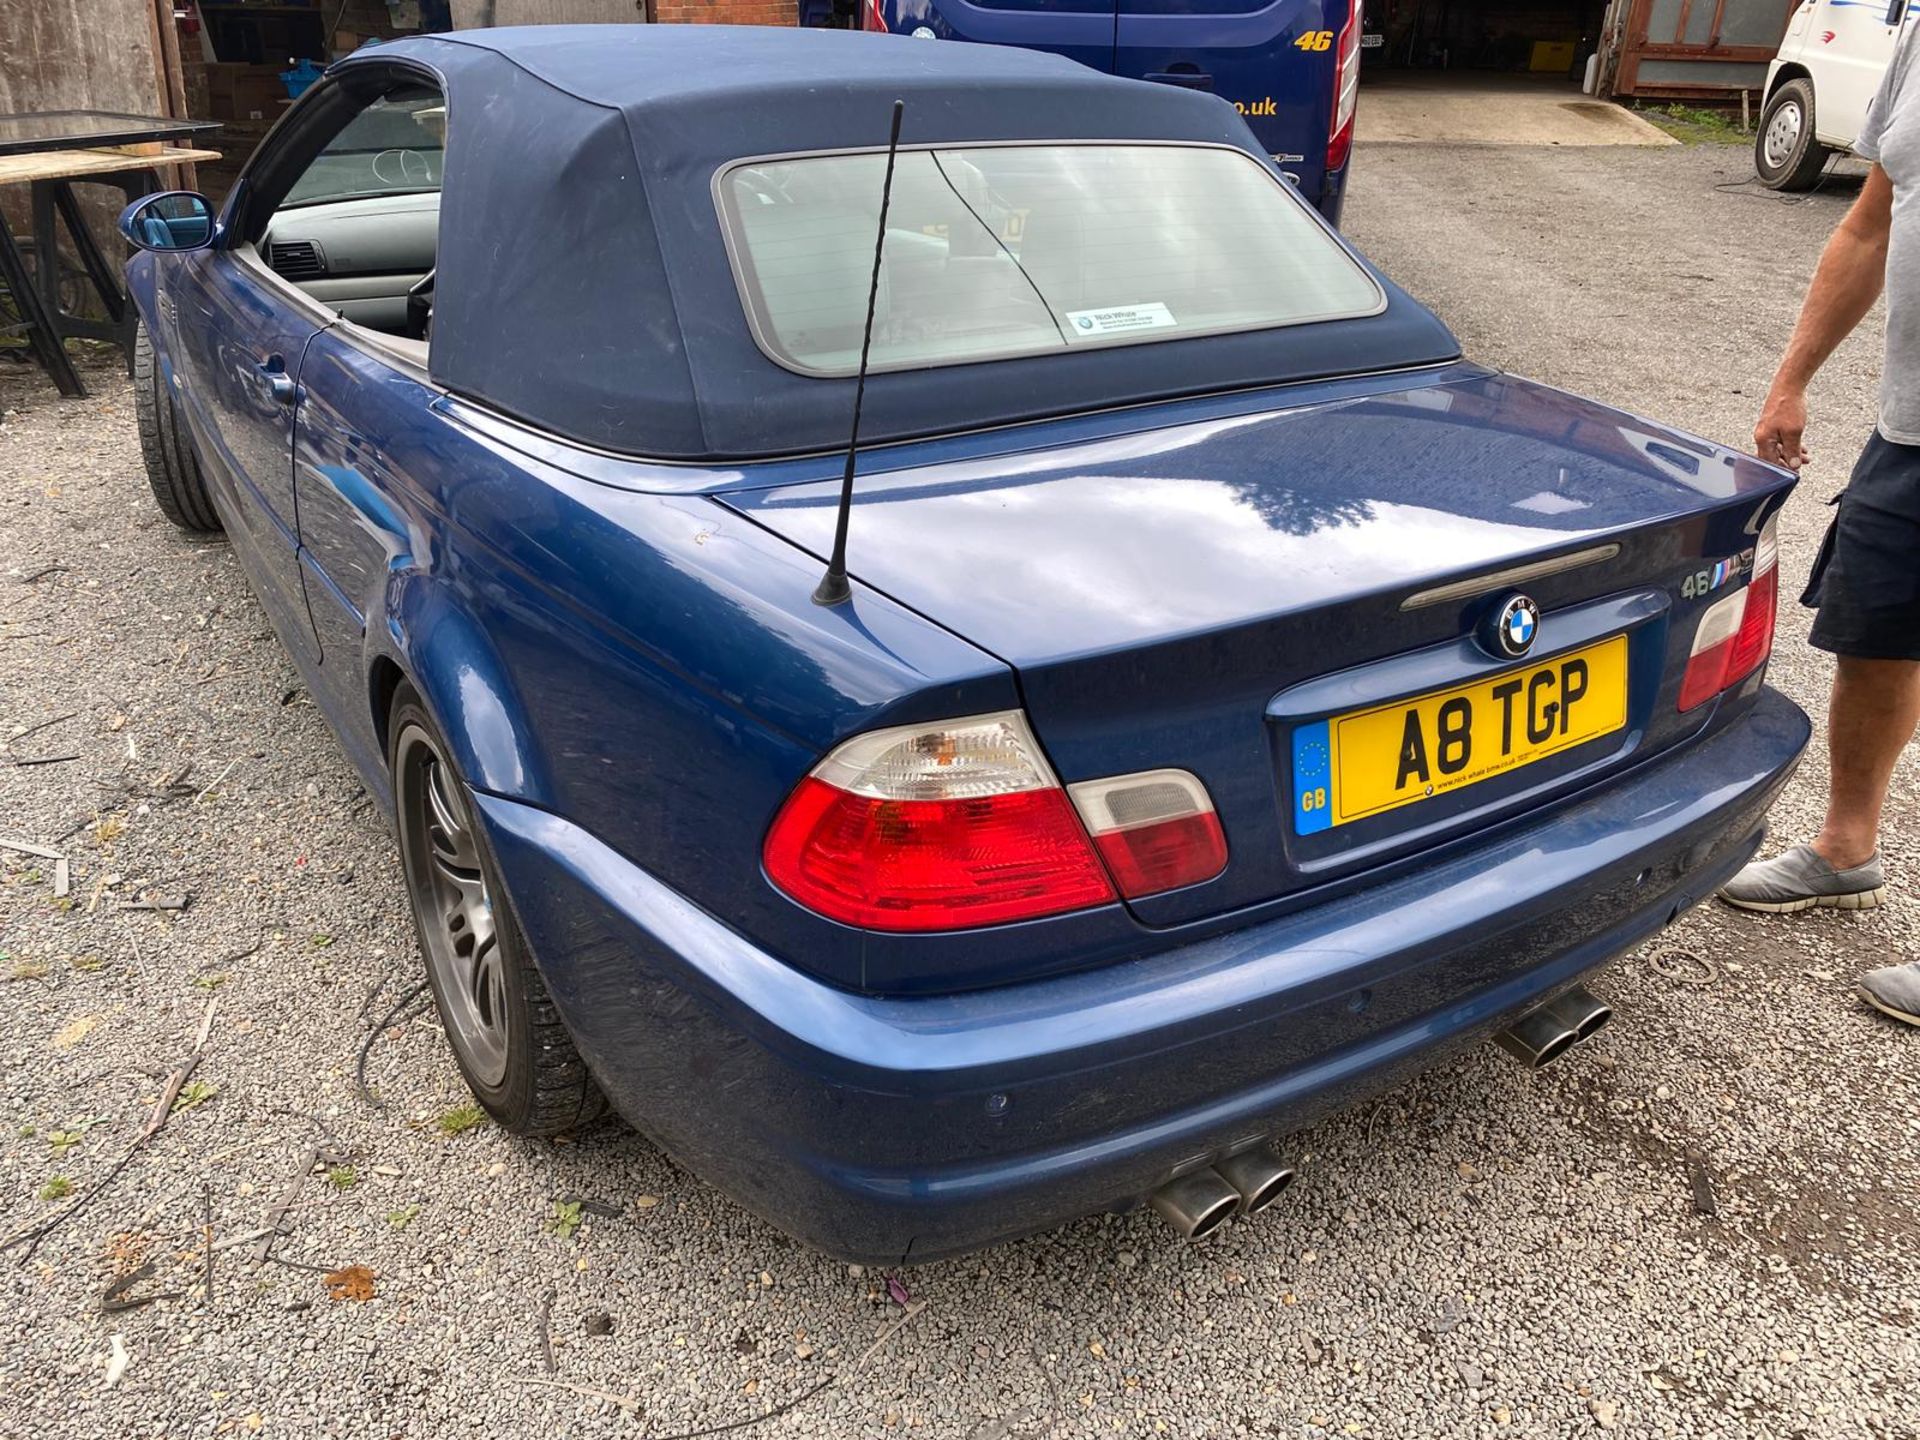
{"points": [[1894, 990], [1800, 879]]}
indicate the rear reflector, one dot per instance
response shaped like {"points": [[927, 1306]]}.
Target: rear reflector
{"points": [[937, 827], [1156, 830], [1735, 634]]}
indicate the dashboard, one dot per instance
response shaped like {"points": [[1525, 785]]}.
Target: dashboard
{"points": [[357, 256]]}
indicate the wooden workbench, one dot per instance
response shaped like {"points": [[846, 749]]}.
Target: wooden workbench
{"points": [[49, 170], [97, 160]]}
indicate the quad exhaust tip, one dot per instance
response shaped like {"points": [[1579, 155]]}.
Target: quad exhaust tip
{"points": [[1197, 1203], [1548, 1031], [1260, 1176], [1201, 1201]]}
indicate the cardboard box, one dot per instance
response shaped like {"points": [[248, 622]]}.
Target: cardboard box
{"points": [[258, 94]]}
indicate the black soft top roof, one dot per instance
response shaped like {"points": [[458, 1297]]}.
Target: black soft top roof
{"points": [[583, 283]]}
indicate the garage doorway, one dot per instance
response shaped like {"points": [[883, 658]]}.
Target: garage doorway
{"points": [[1490, 72]]}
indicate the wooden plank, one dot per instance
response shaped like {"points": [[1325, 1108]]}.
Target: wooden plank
{"points": [[79, 55], [76, 164], [183, 177]]}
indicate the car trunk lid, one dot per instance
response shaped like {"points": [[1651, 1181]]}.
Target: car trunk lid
{"points": [[1214, 597]]}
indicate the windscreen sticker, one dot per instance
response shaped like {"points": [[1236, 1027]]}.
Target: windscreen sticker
{"points": [[1120, 319]]}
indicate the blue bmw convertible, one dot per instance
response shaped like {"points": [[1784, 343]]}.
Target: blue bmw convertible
{"points": [[1230, 700]]}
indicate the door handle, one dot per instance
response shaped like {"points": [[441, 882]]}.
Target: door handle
{"points": [[1185, 79], [279, 384]]}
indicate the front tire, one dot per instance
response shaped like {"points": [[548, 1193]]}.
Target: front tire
{"points": [[1786, 154], [172, 473], [506, 1034]]}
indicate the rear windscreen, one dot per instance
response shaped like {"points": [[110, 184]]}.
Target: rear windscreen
{"points": [[1010, 250]]}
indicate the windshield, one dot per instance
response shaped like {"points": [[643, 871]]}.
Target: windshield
{"points": [[396, 146], [996, 251]]}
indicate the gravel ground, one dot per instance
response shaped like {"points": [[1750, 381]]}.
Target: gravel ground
{"points": [[1703, 1223]]}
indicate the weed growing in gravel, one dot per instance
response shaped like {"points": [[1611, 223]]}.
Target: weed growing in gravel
{"points": [[194, 1092], [460, 1119], [321, 942], [26, 1132], [58, 1187], [403, 1217], [565, 1219], [29, 970], [88, 964], [75, 1131], [342, 1177], [210, 982], [109, 828]]}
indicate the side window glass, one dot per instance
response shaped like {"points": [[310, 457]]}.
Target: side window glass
{"points": [[359, 230], [394, 147]]}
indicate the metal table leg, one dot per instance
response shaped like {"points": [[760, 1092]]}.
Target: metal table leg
{"points": [[55, 198], [42, 331], [104, 282]]}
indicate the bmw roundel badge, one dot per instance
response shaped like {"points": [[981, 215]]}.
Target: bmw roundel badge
{"points": [[1514, 626]]}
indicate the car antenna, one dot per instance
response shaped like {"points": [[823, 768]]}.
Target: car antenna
{"points": [[833, 587]]}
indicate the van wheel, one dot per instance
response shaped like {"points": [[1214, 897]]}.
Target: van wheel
{"points": [[506, 1034], [172, 473], [1785, 153]]}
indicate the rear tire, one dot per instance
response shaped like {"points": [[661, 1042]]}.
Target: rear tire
{"points": [[172, 472], [506, 1034], [1786, 154]]}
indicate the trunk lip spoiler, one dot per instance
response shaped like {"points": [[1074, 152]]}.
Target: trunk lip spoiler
{"points": [[1509, 577]]}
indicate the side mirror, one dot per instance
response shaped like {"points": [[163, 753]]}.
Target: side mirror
{"points": [[169, 222], [1896, 12]]}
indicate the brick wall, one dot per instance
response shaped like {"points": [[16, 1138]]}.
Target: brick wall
{"points": [[727, 12]]}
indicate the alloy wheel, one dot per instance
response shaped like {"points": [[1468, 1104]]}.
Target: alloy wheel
{"points": [[440, 852]]}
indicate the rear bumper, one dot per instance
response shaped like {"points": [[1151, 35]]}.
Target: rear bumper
{"points": [[883, 1129]]}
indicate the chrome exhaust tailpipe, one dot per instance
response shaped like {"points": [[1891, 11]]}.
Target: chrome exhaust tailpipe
{"points": [[1548, 1031], [1581, 1010], [1259, 1175], [1197, 1203]]}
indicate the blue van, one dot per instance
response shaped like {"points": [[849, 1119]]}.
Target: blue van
{"points": [[1291, 67]]}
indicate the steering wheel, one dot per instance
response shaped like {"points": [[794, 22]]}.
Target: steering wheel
{"points": [[415, 171]]}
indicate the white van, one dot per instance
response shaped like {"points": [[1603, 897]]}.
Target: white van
{"points": [[1818, 86]]}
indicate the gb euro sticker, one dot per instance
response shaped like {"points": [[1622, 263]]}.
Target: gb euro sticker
{"points": [[1120, 319]]}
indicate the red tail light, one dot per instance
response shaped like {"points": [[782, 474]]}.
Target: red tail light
{"points": [[1735, 634], [935, 828], [1346, 89], [1156, 830]]}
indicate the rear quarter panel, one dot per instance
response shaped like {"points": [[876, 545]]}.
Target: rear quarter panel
{"points": [[648, 666]]}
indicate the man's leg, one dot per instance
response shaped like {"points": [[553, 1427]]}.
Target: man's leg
{"points": [[1867, 588], [1875, 706]]}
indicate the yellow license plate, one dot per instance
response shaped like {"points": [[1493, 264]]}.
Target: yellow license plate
{"points": [[1371, 761]]}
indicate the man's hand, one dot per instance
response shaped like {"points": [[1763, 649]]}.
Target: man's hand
{"points": [[1852, 269], [1783, 423]]}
